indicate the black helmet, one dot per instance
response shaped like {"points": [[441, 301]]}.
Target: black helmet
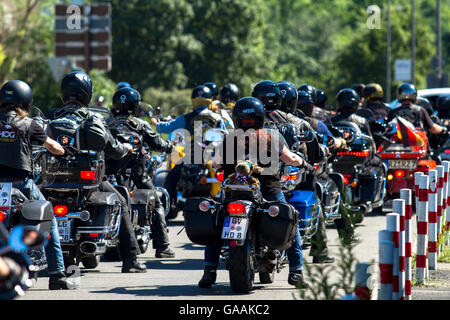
{"points": [[311, 89], [248, 113], [201, 92], [289, 96], [229, 93], [126, 101], [407, 92], [268, 93], [373, 92], [76, 86], [347, 99], [359, 88], [305, 102], [426, 104], [214, 89], [443, 107], [123, 84], [17, 93], [321, 98]]}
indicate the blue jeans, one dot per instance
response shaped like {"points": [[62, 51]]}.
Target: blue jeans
{"points": [[53, 252], [294, 253]]}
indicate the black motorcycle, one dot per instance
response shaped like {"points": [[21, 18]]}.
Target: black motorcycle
{"points": [[87, 218]]}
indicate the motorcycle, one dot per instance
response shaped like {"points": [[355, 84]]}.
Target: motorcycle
{"points": [[21, 240], [195, 179], [364, 183], [87, 218], [16, 209], [252, 232], [406, 152]]}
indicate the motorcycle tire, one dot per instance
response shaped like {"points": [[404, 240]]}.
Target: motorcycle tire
{"points": [[112, 254], [172, 214], [143, 246], [90, 262], [241, 268]]}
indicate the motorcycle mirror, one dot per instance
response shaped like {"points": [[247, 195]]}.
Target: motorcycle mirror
{"points": [[22, 238], [330, 141], [306, 136], [156, 111], [213, 135]]}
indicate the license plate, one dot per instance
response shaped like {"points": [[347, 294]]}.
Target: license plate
{"points": [[234, 228], [402, 164], [64, 230], [5, 195]]}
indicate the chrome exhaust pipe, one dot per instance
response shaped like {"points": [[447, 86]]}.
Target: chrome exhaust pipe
{"points": [[271, 257], [88, 248], [83, 215]]}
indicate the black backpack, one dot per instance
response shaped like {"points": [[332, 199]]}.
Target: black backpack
{"points": [[80, 129]]}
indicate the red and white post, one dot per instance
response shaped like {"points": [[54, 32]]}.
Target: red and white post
{"points": [[416, 186], [386, 264], [440, 191], [393, 225], [432, 220], [398, 207], [446, 221], [406, 195], [422, 241]]}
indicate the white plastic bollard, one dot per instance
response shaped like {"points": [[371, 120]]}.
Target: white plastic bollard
{"points": [[393, 225], [432, 220], [398, 207], [385, 262], [416, 186], [446, 212], [440, 190], [363, 286], [422, 215], [406, 195]]}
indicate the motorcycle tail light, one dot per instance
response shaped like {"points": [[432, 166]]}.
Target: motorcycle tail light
{"points": [[447, 151], [204, 206], [293, 177], [390, 176], [399, 173], [60, 210], [88, 175], [2, 216], [355, 154], [219, 176], [346, 179], [236, 208], [93, 235]]}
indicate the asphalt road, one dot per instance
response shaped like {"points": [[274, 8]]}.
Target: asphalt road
{"points": [[177, 278]]}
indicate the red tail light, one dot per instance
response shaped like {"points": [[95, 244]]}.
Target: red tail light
{"points": [[60, 210], [399, 173], [355, 154], [236, 207], [293, 177], [219, 176], [93, 235], [2, 216], [88, 175], [346, 177]]}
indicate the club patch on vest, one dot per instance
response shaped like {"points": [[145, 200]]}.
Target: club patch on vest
{"points": [[9, 133]]}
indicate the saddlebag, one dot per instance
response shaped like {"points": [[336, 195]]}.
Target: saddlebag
{"points": [[308, 206], [201, 226], [38, 213], [142, 201], [279, 232]]}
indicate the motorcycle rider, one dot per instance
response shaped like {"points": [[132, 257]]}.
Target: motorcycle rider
{"points": [[218, 106], [417, 115], [374, 109], [201, 103], [126, 102], [76, 93], [16, 163], [229, 95], [359, 88], [249, 113]]}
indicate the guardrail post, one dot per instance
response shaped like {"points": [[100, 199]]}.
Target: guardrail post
{"points": [[406, 195], [440, 191], [398, 207], [432, 220], [422, 215], [393, 225]]}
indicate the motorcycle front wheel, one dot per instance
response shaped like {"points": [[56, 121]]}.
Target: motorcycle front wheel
{"points": [[241, 267]]}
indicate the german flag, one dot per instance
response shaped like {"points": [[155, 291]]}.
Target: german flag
{"points": [[407, 134]]}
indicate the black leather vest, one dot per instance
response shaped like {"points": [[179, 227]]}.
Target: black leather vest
{"points": [[15, 145]]}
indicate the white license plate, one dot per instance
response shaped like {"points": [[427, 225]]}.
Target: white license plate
{"points": [[234, 228], [64, 230], [402, 164], [5, 195]]}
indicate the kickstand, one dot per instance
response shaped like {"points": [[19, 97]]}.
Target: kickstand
{"points": [[180, 231]]}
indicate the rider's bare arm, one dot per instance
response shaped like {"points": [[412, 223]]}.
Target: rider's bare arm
{"points": [[290, 158], [54, 147]]}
